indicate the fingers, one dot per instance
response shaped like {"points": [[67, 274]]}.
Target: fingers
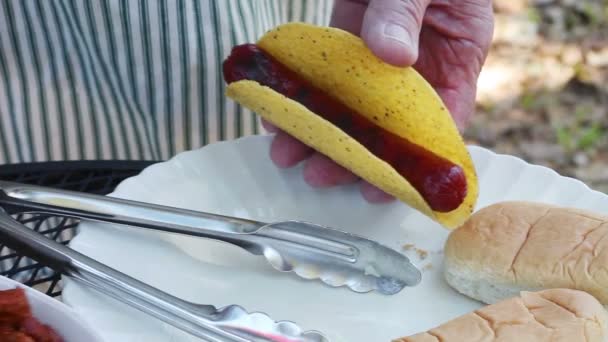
{"points": [[461, 102], [286, 151], [391, 29], [321, 172], [270, 128], [374, 195], [348, 15]]}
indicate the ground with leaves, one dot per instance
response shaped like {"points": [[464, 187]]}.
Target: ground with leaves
{"points": [[543, 93]]}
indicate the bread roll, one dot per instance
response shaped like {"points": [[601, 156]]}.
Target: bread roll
{"points": [[522, 246], [555, 315]]}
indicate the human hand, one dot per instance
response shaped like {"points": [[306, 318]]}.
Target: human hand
{"points": [[446, 41]]}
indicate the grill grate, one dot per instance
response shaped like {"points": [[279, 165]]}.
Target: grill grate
{"points": [[96, 177]]}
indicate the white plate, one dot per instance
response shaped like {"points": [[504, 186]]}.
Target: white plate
{"points": [[238, 178], [55, 314]]}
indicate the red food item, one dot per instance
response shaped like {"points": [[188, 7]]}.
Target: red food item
{"points": [[17, 323], [441, 183], [39, 331], [11, 335], [14, 307]]}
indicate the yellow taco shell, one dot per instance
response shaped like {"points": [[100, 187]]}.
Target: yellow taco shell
{"points": [[397, 99]]}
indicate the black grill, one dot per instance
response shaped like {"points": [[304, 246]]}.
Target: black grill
{"points": [[96, 177]]}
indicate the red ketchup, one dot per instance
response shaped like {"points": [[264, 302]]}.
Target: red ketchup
{"points": [[441, 183]]}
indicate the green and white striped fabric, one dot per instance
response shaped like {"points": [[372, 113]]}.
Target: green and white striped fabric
{"points": [[126, 79]]}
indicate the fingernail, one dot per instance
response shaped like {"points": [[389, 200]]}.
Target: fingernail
{"points": [[398, 33]]}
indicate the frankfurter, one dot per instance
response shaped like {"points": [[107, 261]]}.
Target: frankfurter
{"points": [[384, 123]]}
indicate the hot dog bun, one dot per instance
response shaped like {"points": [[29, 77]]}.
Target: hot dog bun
{"points": [[513, 246], [555, 315], [397, 99]]}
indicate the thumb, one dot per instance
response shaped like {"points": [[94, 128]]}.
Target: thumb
{"points": [[391, 29]]}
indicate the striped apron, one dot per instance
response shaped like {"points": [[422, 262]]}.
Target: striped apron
{"points": [[126, 79]]}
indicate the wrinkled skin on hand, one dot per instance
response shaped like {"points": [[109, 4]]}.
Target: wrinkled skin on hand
{"points": [[446, 41]]}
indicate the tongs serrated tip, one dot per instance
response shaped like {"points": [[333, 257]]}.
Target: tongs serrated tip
{"points": [[237, 319], [341, 258]]}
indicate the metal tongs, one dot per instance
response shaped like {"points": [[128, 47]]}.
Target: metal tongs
{"points": [[310, 251], [229, 324]]}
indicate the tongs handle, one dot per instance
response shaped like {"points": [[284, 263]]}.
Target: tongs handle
{"points": [[172, 310], [16, 197]]}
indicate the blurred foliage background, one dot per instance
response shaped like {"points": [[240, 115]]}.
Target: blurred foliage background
{"points": [[543, 92]]}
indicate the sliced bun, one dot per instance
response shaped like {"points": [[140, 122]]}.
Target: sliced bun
{"points": [[515, 246], [554, 315]]}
